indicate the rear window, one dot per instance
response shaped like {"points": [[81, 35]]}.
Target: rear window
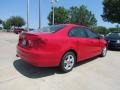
{"points": [[52, 28]]}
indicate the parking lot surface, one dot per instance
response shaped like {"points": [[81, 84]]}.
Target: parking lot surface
{"points": [[94, 74]]}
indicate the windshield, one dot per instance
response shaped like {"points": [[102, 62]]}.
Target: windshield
{"points": [[52, 28], [113, 35]]}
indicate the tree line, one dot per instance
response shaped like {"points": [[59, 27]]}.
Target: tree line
{"points": [[77, 15], [81, 15], [104, 30], [14, 21]]}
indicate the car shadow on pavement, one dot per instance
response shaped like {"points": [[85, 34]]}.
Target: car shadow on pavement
{"points": [[38, 72], [33, 72], [86, 61]]}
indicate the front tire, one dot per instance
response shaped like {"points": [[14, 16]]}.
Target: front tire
{"points": [[67, 62], [104, 52]]}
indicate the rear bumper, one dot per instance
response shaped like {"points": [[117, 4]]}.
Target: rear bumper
{"points": [[37, 58]]}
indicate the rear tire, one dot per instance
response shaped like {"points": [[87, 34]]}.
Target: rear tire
{"points": [[67, 62], [104, 51]]}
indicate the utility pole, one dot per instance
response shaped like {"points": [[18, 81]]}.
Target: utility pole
{"points": [[28, 4], [53, 9], [39, 15]]}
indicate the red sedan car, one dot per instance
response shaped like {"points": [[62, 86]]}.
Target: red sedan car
{"points": [[60, 45]]}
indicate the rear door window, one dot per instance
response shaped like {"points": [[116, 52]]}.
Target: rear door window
{"points": [[77, 32]]}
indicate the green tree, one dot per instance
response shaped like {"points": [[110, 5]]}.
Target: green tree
{"points": [[16, 21], [100, 30], [61, 16], [82, 16], [114, 29], [7, 24], [111, 11], [73, 14]]}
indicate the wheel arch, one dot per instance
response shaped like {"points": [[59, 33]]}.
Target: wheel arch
{"points": [[70, 50]]}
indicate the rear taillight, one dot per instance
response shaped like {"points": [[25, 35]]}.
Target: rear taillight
{"points": [[36, 43], [21, 37], [30, 41]]}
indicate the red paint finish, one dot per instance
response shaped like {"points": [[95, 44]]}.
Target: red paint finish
{"points": [[47, 49]]}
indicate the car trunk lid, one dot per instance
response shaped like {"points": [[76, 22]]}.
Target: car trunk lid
{"points": [[32, 40]]}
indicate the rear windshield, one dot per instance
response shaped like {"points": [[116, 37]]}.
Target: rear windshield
{"points": [[52, 28]]}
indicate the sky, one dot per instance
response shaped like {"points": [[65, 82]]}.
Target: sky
{"points": [[10, 8]]}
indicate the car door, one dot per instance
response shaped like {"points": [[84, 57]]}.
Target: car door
{"points": [[93, 42], [79, 37]]}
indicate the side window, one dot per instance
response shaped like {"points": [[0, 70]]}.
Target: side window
{"points": [[91, 34], [77, 32]]}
